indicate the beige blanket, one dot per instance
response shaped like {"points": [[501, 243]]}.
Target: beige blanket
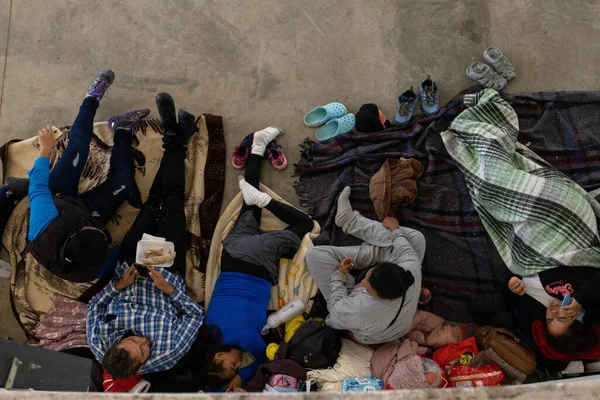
{"points": [[34, 289], [294, 278]]}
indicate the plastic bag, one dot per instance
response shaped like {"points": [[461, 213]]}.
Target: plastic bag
{"points": [[467, 376]]}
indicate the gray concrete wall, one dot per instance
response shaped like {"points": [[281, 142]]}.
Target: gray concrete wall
{"points": [[577, 390]]}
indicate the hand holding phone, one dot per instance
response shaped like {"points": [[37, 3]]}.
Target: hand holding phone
{"points": [[142, 270]]}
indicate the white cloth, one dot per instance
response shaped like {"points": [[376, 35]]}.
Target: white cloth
{"points": [[535, 289]]}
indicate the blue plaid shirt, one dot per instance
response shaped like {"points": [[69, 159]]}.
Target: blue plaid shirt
{"points": [[170, 322]]}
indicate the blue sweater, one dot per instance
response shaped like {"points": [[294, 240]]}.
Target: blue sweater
{"points": [[42, 210], [239, 308]]}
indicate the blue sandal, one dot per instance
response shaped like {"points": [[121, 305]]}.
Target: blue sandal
{"points": [[320, 115], [337, 126]]}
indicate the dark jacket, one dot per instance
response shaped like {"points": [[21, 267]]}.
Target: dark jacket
{"points": [[48, 247]]}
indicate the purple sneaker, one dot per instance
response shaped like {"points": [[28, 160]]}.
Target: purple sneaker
{"points": [[128, 121], [101, 83]]}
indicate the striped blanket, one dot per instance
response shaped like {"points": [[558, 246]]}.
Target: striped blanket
{"points": [[461, 259], [536, 216]]}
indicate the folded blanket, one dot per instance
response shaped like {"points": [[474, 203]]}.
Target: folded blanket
{"points": [[354, 361], [34, 289], [536, 216], [63, 326], [294, 279]]}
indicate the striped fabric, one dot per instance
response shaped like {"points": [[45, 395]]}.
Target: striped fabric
{"points": [[537, 217]]}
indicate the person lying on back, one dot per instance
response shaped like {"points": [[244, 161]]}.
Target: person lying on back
{"points": [[67, 233], [142, 324], [381, 307]]}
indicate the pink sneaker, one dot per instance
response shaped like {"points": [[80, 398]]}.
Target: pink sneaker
{"points": [[242, 152], [276, 156]]}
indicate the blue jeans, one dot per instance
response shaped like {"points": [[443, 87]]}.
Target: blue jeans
{"points": [[103, 200]]}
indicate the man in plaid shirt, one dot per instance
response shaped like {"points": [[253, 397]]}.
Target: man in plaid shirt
{"points": [[139, 325], [150, 318]]}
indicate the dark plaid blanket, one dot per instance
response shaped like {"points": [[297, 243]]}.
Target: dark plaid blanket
{"points": [[461, 260]]}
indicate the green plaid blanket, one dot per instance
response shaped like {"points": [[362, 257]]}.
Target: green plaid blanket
{"points": [[537, 217]]}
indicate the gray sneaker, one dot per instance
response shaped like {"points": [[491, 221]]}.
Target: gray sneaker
{"points": [[496, 59], [486, 76]]}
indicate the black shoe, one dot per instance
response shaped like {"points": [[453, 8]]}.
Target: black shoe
{"points": [[166, 110], [128, 121], [187, 124]]}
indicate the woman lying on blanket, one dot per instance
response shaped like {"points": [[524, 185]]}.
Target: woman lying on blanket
{"points": [[381, 307], [249, 268], [565, 330], [67, 233]]}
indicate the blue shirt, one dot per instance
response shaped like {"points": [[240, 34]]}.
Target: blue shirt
{"points": [[42, 210], [170, 322], [239, 308]]}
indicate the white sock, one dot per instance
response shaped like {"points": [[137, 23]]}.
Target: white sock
{"points": [[253, 196], [344, 208], [263, 137]]}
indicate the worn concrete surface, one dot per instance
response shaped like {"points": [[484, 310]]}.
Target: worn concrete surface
{"points": [[264, 62], [583, 390]]}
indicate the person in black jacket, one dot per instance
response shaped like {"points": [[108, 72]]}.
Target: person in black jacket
{"points": [[545, 293], [67, 233]]}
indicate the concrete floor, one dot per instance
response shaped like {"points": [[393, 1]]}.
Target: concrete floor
{"points": [[267, 62]]}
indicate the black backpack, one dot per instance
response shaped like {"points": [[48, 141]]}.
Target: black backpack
{"points": [[315, 345]]}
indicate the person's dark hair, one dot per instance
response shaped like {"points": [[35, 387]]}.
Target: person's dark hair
{"points": [[87, 247], [201, 356], [390, 280], [576, 339], [119, 363]]}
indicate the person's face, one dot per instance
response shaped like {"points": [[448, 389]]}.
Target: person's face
{"points": [[556, 320], [230, 361], [372, 292], [138, 348]]}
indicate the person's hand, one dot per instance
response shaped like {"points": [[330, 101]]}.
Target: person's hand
{"points": [[159, 281], [346, 265], [235, 385], [127, 279], [516, 286], [46, 141], [239, 390], [390, 223], [572, 310]]}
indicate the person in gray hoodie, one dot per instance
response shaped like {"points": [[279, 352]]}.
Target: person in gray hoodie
{"points": [[381, 307]]}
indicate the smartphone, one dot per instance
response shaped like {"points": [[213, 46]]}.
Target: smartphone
{"points": [[142, 270], [55, 131], [567, 300]]}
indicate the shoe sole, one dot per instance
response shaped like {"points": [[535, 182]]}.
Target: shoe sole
{"points": [[280, 167], [238, 167]]}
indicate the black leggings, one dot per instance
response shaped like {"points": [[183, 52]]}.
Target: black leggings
{"points": [[298, 222]]}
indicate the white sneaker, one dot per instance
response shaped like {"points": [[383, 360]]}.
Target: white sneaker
{"points": [[496, 59], [5, 270], [486, 76]]}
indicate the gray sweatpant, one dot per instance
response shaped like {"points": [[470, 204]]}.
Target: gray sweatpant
{"points": [[322, 261]]}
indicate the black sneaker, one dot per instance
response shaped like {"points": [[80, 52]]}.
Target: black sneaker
{"points": [[166, 110], [187, 124], [101, 83], [128, 121]]}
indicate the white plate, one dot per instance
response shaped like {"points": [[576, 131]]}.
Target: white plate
{"points": [[144, 245]]}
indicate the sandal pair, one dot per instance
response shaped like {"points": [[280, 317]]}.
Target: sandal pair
{"points": [[335, 117]]}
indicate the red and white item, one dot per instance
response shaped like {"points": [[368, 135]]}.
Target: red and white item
{"points": [[461, 376]]}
